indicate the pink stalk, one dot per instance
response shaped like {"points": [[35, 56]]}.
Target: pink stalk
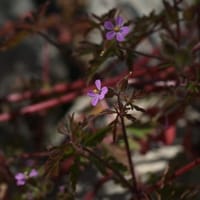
{"points": [[161, 183], [47, 104]]}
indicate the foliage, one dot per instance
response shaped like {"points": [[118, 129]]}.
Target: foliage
{"points": [[145, 95]]}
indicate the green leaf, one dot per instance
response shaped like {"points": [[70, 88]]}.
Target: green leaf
{"points": [[170, 12], [92, 139], [118, 166], [99, 165], [193, 87], [52, 167], [140, 131], [182, 58]]}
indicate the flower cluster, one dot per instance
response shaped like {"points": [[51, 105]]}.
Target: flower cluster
{"points": [[117, 30], [98, 93], [21, 178]]}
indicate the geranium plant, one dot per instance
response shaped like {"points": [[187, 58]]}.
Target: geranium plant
{"points": [[133, 98]]}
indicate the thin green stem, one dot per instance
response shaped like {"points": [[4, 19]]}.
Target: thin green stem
{"points": [[128, 151]]}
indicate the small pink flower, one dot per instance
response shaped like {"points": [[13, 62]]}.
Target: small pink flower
{"points": [[116, 30], [33, 173], [98, 93], [20, 178]]}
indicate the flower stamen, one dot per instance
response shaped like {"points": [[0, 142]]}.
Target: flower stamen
{"points": [[116, 28], [96, 91]]}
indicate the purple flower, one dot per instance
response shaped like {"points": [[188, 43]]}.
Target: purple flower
{"points": [[33, 173], [118, 30], [98, 93], [20, 178]]}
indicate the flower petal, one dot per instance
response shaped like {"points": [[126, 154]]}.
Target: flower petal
{"points": [[95, 100], [124, 30], [33, 173], [120, 37], [104, 91], [119, 21], [108, 25], [20, 176], [21, 182], [98, 84], [110, 35], [91, 94]]}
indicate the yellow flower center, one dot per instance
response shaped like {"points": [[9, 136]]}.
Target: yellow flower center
{"points": [[96, 91], [116, 28]]}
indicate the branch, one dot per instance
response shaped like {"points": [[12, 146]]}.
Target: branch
{"points": [[78, 90], [175, 175], [127, 147]]}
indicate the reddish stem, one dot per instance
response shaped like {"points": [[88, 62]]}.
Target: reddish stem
{"points": [[176, 174], [40, 106], [63, 87], [77, 87]]}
